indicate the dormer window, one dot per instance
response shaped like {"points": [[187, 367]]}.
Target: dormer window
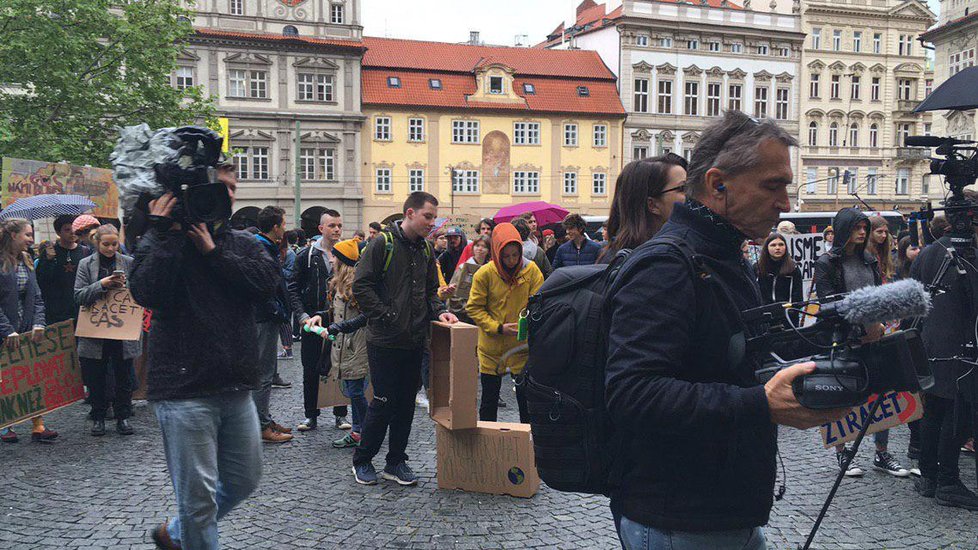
{"points": [[393, 82], [435, 83], [582, 91], [495, 85], [529, 88], [290, 30]]}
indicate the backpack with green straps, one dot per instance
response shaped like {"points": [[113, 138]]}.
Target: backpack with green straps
{"points": [[389, 249]]}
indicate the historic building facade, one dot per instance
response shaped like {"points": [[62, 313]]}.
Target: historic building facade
{"points": [[864, 72], [955, 40], [482, 127], [680, 65], [275, 66]]}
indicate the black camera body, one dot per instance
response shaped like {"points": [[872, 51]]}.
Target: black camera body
{"points": [[191, 175]]}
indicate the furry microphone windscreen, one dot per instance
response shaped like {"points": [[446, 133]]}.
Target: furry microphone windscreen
{"points": [[890, 302]]}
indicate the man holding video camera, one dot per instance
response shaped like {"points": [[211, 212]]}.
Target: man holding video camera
{"points": [[698, 462], [203, 289], [949, 406]]}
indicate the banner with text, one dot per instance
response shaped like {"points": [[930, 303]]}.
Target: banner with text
{"points": [[39, 377], [896, 408], [21, 178], [805, 249], [116, 316]]}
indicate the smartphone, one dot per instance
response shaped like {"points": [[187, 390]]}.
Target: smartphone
{"points": [[118, 273]]}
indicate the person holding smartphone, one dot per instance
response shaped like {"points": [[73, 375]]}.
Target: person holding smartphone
{"points": [[97, 274]]}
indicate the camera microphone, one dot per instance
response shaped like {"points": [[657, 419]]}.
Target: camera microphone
{"points": [[878, 304], [932, 141]]}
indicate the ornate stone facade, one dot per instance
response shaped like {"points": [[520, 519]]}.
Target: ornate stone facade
{"points": [[955, 41]]}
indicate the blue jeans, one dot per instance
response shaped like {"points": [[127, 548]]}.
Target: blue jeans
{"points": [[635, 536], [213, 452], [354, 390]]}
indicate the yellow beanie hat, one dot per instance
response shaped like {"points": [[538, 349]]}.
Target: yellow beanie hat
{"points": [[347, 251]]}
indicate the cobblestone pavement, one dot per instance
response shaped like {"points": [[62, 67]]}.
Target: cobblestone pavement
{"points": [[86, 492]]}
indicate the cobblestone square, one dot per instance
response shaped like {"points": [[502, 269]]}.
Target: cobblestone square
{"points": [[87, 492]]}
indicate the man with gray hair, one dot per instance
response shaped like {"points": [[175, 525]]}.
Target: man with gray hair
{"points": [[699, 433]]}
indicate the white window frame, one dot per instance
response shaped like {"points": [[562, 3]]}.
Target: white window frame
{"points": [[877, 42], [736, 48], [735, 96], [854, 84], [237, 83], [781, 103], [640, 103], [307, 163], [834, 134], [382, 181], [872, 181], [466, 131], [835, 86], [599, 184], [714, 46], [811, 181], [570, 135], [184, 77], [416, 130], [236, 7], [337, 14], [640, 152], [258, 84], [600, 135], [383, 129], [905, 89], [857, 41], [832, 183], [875, 87], [837, 40], [816, 39], [316, 87], [526, 182], [664, 97], [665, 42], [902, 181], [691, 98], [692, 44], [241, 163], [259, 163], [465, 181], [713, 92], [415, 180], [853, 135], [570, 183], [327, 164], [491, 85], [874, 135], [813, 85], [763, 49], [760, 101], [813, 134], [853, 186], [642, 40], [526, 133]]}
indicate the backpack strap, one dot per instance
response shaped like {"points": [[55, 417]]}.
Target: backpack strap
{"points": [[388, 249]]}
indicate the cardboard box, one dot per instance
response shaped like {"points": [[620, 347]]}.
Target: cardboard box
{"points": [[495, 458], [454, 375]]}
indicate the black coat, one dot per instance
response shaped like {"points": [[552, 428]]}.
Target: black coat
{"points": [[700, 451], [829, 277], [309, 285], [400, 302], [784, 285], [951, 322], [203, 338]]}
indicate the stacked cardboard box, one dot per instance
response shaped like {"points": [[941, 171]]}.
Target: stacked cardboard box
{"points": [[483, 457]]}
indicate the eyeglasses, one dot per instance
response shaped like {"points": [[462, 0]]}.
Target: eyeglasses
{"points": [[680, 187]]}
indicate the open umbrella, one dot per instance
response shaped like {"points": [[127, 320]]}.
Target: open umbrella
{"points": [[47, 206], [958, 92], [544, 212]]}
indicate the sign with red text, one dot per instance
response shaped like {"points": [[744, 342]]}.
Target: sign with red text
{"points": [[20, 178], [896, 408], [39, 377], [116, 316]]}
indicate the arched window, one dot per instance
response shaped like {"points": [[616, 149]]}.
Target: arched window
{"points": [[874, 133], [290, 30], [853, 135], [834, 134], [812, 133]]}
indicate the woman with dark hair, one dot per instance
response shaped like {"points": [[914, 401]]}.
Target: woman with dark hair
{"points": [[906, 254], [778, 275], [645, 192]]}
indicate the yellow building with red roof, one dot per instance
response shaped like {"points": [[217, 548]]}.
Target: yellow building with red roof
{"points": [[482, 127]]}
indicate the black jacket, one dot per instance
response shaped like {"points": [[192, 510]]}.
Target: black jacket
{"points": [[276, 309], [400, 302], [948, 326], [829, 278], [309, 284], [784, 285], [203, 338], [56, 278], [700, 446]]}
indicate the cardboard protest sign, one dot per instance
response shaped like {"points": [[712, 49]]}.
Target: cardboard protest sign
{"points": [[494, 457], [331, 391], [39, 377], [21, 178], [896, 408], [804, 249], [116, 316]]}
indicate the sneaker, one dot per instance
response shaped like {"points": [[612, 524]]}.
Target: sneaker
{"points": [[9, 436], [268, 435], [124, 427], [365, 474], [956, 496], [885, 462], [421, 399], [161, 536], [349, 440], [98, 428], [308, 425], [925, 487], [342, 423], [44, 436], [401, 473], [280, 428], [277, 382], [853, 470], [968, 447], [285, 354], [915, 472]]}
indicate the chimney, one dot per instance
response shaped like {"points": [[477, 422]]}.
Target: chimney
{"points": [[584, 6], [522, 41], [474, 38]]}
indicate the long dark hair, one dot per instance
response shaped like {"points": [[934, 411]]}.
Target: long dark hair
{"points": [[765, 262], [630, 223], [903, 263]]}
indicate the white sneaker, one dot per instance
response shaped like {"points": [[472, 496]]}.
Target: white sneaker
{"points": [[853, 470], [421, 400], [915, 472]]}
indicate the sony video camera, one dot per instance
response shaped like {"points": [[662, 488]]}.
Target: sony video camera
{"points": [[191, 175], [959, 166], [847, 372]]}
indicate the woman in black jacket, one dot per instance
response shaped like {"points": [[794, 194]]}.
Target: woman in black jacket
{"points": [[778, 275]]}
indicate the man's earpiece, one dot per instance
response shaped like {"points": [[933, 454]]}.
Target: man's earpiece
{"points": [[721, 187]]}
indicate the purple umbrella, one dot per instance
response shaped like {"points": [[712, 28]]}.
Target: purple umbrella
{"points": [[544, 212]]}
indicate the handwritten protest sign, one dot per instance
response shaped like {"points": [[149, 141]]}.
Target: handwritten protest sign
{"points": [[895, 409], [39, 377], [114, 317], [21, 178], [804, 250]]}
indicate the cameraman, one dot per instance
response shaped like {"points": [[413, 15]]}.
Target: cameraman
{"points": [[203, 362], [700, 434], [950, 403]]}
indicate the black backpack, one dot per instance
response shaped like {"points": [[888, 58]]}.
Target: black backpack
{"points": [[573, 438]]}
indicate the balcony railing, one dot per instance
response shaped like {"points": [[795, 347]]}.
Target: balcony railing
{"points": [[912, 153], [907, 105]]}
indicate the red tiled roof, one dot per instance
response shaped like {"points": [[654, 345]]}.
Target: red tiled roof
{"points": [[463, 58], [959, 21], [553, 95], [271, 37]]}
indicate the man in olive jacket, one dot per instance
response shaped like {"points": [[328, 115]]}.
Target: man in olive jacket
{"points": [[396, 286]]}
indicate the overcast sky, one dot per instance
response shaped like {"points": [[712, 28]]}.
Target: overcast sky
{"points": [[499, 21]]}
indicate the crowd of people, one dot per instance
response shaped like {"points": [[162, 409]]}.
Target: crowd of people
{"points": [[361, 309]]}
